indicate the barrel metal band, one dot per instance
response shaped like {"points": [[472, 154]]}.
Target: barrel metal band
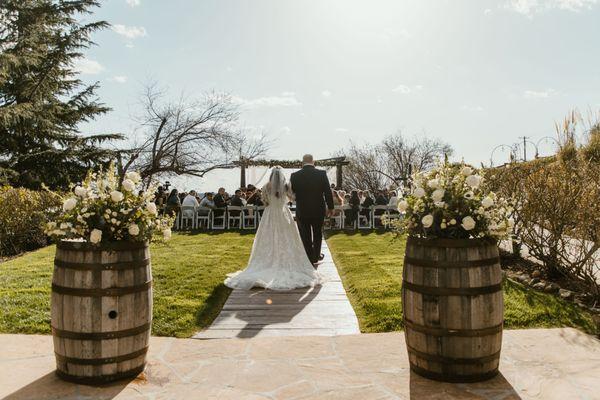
{"points": [[453, 378], [444, 291], [484, 262], [100, 335], [101, 361], [102, 379], [98, 292], [118, 266], [447, 332], [453, 360], [451, 243]]}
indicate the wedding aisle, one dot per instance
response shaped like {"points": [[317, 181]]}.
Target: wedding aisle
{"points": [[320, 311]]}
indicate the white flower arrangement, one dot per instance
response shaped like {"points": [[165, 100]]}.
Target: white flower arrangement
{"points": [[452, 201], [103, 209]]}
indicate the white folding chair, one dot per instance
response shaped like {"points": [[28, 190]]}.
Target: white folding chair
{"points": [[203, 217], [346, 209], [365, 221], [259, 212], [249, 217], [338, 218], [379, 216], [220, 215], [392, 214], [235, 218], [188, 217]]}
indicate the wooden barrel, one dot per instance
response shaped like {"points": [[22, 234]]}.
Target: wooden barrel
{"points": [[453, 308], [101, 310]]}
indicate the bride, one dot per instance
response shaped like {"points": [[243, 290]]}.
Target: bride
{"points": [[278, 260]]}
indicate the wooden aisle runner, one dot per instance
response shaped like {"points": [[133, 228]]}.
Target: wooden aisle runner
{"points": [[320, 311]]}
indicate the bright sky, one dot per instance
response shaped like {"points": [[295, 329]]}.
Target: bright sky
{"points": [[316, 74]]}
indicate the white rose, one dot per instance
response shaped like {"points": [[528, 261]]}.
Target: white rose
{"points": [[116, 196], [419, 192], [128, 185], [133, 176], [134, 230], [427, 220], [69, 204], [434, 183], [96, 236], [452, 221], [79, 191], [438, 194], [151, 207], [469, 195], [167, 233], [487, 202], [443, 225], [466, 171], [402, 205], [468, 223], [473, 181]]}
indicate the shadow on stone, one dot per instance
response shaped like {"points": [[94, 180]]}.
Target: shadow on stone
{"points": [[296, 300], [51, 386], [495, 388]]}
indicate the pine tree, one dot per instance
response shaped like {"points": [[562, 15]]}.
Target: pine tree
{"points": [[42, 101]]}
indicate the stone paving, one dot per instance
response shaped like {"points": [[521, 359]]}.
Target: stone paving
{"points": [[536, 364], [321, 311]]}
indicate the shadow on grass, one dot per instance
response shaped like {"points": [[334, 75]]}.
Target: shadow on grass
{"points": [[547, 310], [212, 306], [362, 232]]}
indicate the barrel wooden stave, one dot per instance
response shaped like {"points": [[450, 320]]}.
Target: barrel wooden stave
{"points": [[453, 337], [94, 268]]}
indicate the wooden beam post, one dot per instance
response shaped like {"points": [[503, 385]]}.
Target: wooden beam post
{"points": [[242, 174], [338, 175]]}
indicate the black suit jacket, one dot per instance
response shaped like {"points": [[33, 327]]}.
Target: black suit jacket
{"points": [[313, 192], [219, 201]]}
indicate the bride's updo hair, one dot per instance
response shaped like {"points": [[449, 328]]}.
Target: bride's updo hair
{"points": [[277, 182]]}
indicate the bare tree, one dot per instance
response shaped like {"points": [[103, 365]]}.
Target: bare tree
{"points": [[378, 166], [188, 137]]}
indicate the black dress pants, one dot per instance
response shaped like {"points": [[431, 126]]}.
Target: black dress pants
{"points": [[311, 232]]}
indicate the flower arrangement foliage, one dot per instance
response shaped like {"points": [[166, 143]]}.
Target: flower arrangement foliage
{"points": [[105, 209], [453, 201]]}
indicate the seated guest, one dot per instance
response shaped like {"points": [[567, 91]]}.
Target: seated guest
{"points": [[190, 199], [220, 202], [366, 204], [381, 199], [206, 202], [236, 201], [338, 201], [160, 198], [251, 195], [354, 203], [393, 200], [173, 203]]}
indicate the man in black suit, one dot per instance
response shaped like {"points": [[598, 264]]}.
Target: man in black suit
{"points": [[313, 202], [220, 202]]}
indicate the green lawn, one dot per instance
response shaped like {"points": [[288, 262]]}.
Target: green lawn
{"points": [[188, 284], [371, 269]]}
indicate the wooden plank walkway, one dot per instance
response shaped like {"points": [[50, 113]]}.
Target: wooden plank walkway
{"points": [[320, 311]]}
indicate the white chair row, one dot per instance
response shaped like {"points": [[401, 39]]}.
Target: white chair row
{"points": [[191, 217], [367, 218]]}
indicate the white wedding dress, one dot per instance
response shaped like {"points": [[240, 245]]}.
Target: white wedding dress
{"points": [[278, 260]]}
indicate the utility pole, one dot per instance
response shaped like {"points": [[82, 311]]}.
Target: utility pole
{"points": [[524, 146]]}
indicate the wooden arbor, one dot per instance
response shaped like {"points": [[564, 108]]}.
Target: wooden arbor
{"points": [[337, 162]]}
